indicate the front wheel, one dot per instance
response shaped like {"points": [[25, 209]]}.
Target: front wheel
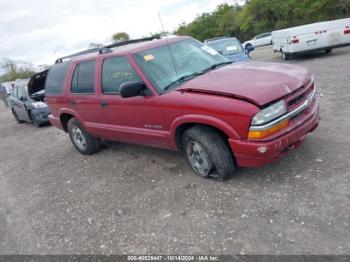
{"points": [[35, 121], [82, 140], [247, 45], [207, 153]]}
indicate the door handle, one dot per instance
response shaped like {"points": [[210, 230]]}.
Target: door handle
{"points": [[73, 103], [104, 104]]}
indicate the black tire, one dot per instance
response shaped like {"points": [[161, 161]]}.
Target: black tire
{"points": [[91, 145], [285, 56], [16, 117], [222, 163], [327, 51], [35, 122]]}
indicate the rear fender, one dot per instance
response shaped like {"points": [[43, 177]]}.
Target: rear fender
{"points": [[71, 112]]}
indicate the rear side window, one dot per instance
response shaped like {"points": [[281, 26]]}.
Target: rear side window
{"points": [[55, 78], [83, 79], [14, 92], [116, 71], [21, 92]]}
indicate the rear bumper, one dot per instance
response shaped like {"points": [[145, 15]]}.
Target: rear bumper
{"points": [[247, 152], [55, 121]]}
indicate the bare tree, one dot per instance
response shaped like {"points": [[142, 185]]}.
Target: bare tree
{"points": [[15, 70]]}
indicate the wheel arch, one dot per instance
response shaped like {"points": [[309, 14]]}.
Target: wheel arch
{"points": [[180, 125], [65, 115], [247, 44]]}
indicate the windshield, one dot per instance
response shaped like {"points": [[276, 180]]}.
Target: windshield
{"points": [[188, 59], [227, 46]]}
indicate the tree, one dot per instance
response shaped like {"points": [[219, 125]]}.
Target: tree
{"points": [[15, 70], [120, 36], [95, 45], [258, 16], [221, 22]]}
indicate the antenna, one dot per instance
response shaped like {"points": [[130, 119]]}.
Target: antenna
{"points": [[167, 42]]}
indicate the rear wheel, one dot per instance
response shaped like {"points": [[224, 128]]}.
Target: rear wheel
{"points": [[207, 153], [82, 140], [285, 56], [16, 117]]}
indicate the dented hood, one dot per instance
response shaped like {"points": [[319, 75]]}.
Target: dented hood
{"points": [[257, 82]]}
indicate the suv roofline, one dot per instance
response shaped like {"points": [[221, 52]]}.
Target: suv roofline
{"points": [[129, 46], [106, 48]]}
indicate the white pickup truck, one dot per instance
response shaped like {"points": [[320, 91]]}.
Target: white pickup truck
{"points": [[322, 36]]}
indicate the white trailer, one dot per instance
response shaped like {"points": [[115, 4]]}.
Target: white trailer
{"points": [[322, 36]]}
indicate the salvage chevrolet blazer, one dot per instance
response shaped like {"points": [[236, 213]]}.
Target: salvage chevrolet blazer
{"points": [[178, 94]]}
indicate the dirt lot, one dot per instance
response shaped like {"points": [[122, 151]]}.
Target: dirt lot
{"points": [[132, 199]]}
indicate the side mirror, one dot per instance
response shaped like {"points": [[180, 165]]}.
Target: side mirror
{"points": [[22, 98], [131, 89], [249, 48]]}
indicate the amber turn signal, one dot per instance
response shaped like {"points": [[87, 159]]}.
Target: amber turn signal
{"points": [[267, 132]]}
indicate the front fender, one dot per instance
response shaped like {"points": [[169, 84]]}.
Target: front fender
{"points": [[201, 119]]}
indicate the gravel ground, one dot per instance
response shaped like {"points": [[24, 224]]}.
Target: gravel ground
{"points": [[130, 199]]}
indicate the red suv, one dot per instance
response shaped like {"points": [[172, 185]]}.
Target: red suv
{"points": [[178, 94]]}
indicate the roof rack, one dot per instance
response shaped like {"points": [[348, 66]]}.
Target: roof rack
{"points": [[107, 48]]}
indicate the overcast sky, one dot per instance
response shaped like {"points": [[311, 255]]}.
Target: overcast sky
{"points": [[39, 31]]}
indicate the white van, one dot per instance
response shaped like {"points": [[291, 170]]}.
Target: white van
{"points": [[322, 36]]}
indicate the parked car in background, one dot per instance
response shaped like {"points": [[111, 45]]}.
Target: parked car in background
{"points": [[27, 101], [178, 94], [259, 40], [8, 87], [3, 94], [230, 47], [322, 36]]}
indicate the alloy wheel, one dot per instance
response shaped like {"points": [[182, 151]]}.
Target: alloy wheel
{"points": [[198, 158]]}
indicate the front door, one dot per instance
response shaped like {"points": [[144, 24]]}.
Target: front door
{"points": [[136, 119]]}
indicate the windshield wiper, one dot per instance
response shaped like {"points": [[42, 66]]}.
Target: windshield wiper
{"points": [[214, 66], [183, 79], [190, 76]]}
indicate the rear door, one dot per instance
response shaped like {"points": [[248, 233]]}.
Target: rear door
{"points": [[18, 103], [84, 99]]}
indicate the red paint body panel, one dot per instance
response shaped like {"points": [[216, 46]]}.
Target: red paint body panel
{"points": [[258, 82], [226, 98], [247, 154]]}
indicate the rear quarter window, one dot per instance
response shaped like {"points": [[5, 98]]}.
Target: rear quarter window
{"points": [[83, 78], [55, 78]]}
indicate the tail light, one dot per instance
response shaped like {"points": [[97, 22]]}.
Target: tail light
{"points": [[347, 30], [295, 41]]}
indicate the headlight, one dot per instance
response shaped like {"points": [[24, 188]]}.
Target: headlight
{"points": [[39, 105], [269, 113]]}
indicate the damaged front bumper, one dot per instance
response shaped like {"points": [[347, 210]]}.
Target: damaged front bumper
{"points": [[259, 153]]}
